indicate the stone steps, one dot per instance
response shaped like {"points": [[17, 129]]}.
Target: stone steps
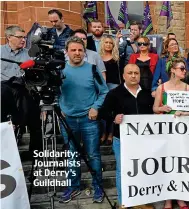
{"points": [[82, 198], [26, 155], [108, 164], [40, 199], [86, 181]]}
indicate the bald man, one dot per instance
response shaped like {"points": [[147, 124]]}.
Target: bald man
{"points": [[126, 99]]}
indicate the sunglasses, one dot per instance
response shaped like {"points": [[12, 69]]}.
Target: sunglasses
{"points": [[181, 68], [172, 45], [143, 44]]}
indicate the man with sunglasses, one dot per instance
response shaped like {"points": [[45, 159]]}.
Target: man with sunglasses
{"points": [[13, 50]]}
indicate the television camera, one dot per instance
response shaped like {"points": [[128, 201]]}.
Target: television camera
{"points": [[45, 70]]}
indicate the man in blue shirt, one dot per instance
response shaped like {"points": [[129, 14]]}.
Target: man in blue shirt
{"points": [[11, 76], [13, 50], [60, 32], [82, 96]]}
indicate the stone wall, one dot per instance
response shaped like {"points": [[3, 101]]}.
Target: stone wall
{"points": [[25, 13], [187, 24], [179, 24]]}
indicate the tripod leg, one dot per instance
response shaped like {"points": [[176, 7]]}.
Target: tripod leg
{"points": [[53, 142], [31, 178], [49, 138]]}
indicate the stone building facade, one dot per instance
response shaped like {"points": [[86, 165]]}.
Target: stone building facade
{"points": [[25, 13]]}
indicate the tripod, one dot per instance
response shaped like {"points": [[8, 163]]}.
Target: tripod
{"points": [[52, 137], [48, 138]]}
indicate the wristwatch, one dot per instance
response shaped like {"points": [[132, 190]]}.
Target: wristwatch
{"points": [[132, 42]]}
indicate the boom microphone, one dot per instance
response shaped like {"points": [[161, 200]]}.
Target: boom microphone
{"points": [[49, 64], [38, 40], [35, 39], [12, 61]]}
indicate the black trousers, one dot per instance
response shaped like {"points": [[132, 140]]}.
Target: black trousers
{"points": [[8, 105], [27, 110]]}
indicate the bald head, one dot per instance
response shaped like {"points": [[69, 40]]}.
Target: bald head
{"points": [[131, 75]]}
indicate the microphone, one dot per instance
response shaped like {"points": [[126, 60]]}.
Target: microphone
{"points": [[27, 64], [48, 64], [35, 39], [38, 40], [32, 63]]}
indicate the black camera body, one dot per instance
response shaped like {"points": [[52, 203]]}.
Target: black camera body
{"points": [[46, 73]]}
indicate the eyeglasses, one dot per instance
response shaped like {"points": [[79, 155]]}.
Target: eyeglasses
{"points": [[20, 37], [143, 44], [172, 45], [182, 68]]}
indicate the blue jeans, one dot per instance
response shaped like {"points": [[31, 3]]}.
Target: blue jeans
{"points": [[116, 149], [87, 130]]}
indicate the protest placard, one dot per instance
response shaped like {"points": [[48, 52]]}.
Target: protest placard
{"points": [[154, 159], [13, 191], [178, 100]]}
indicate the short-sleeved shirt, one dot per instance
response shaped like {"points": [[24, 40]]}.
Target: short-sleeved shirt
{"points": [[8, 69], [93, 58]]}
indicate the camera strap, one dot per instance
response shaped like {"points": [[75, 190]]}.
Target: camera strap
{"points": [[96, 75]]}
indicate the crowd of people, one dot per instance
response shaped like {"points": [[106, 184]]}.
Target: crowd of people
{"points": [[106, 77]]}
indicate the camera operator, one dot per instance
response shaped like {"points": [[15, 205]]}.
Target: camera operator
{"points": [[13, 50], [82, 96], [60, 31], [11, 78]]}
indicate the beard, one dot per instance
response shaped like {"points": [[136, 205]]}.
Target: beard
{"points": [[137, 37], [97, 33]]}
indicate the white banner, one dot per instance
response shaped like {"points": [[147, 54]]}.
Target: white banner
{"points": [[178, 100], [154, 158], [13, 191]]}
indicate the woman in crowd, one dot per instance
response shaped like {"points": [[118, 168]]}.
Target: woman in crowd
{"points": [[145, 61], [110, 56], [171, 49], [177, 71]]}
